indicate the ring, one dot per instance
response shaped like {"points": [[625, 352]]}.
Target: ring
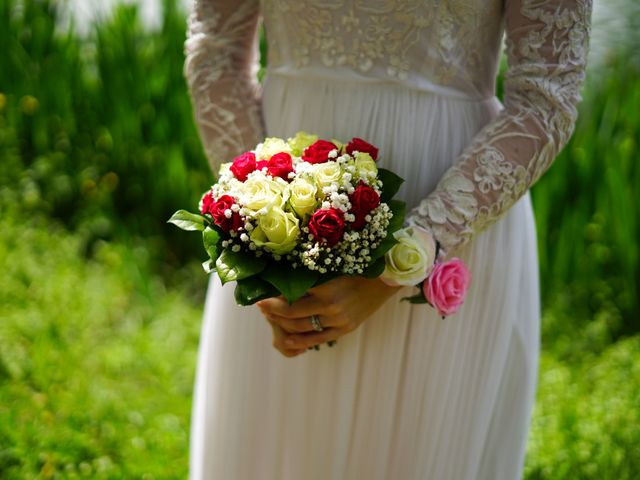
{"points": [[315, 322]]}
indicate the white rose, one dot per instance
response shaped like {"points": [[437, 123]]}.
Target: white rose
{"points": [[224, 169], [302, 196], [410, 260], [366, 165], [270, 147], [260, 192], [277, 231], [300, 142], [327, 173]]}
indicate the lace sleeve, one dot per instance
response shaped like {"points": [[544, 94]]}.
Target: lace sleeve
{"points": [[220, 55], [546, 48]]}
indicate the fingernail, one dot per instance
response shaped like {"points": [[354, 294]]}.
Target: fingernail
{"points": [[290, 341], [301, 351]]}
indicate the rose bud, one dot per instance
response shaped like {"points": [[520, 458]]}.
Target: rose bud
{"points": [[359, 145], [363, 200], [318, 152], [280, 165], [327, 226], [243, 165]]}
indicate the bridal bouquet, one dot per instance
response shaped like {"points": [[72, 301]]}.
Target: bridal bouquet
{"points": [[290, 215]]}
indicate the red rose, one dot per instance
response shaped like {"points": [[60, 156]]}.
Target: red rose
{"points": [[327, 226], [207, 201], [243, 165], [280, 165], [262, 164], [363, 200], [318, 152], [359, 145], [217, 211]]}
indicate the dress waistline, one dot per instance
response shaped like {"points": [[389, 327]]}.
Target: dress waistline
{"points": [[424, 86]]}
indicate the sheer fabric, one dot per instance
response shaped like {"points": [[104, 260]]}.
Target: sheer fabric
{"points": [[455, 47], [406, 395]]}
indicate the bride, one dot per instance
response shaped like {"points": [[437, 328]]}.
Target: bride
{"points": [[403, 394]]}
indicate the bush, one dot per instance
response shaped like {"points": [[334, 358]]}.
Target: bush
{"points": [[96, 360]]}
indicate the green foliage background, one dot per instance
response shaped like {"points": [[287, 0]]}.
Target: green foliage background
{"points": [[100, 300]]}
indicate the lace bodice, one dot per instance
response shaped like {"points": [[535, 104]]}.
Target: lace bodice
{"points": [[446, 46]]}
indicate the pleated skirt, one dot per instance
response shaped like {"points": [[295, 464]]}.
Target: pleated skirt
{"points": [[407, 395]]}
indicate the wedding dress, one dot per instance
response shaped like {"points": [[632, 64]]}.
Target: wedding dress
{"points": [[407, 395]]}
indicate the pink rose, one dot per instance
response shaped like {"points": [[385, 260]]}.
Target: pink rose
{"points": [[447, 285], [243, 165]]}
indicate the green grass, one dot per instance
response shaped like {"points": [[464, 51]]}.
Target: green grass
{"points": [[96, 360]]}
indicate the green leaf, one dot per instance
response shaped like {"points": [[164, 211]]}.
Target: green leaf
{"points": [[417, 299], [390, 184], [234, 266], [187, 221], [375, 269], [398, 208], [209, 266], [253, 289], [211, 240], [292, 283]]}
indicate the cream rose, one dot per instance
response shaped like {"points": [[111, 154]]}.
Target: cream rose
{"points": [[270, 147], [302, 196], [277, 231], [410, 260], [224, 169], [260, 192], [327, 173], [301, 141], [365, 165]]}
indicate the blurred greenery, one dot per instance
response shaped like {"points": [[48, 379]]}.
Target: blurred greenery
{"points": [[100, 300]]}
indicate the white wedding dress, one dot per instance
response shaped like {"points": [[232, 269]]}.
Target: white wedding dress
{"points": [[407, 395]]}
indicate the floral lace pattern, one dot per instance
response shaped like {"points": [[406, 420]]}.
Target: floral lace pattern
{"points": [[547, 48], [219, 67], [449, 42], [384, 38]]}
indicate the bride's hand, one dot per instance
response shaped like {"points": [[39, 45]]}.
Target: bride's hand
{"points": [[341, 306]]}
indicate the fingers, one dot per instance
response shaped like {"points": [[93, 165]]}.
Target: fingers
{"points": [[304, 325], [303, 308], [279, 337], [308, 340]]}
